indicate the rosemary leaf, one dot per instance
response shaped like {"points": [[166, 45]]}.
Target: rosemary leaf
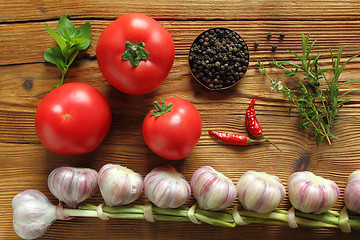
{"points": [[317, 105]]}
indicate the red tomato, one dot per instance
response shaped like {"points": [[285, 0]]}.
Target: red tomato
{"points": [[73, 119], [150, 72], [174, 134]]}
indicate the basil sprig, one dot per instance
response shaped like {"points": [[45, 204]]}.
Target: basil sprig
{"points": [[71, 41]]}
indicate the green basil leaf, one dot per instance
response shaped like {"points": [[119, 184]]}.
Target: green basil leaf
{"points": [[55, 56], [61, 42], [65, 28], [84, 32], [78, 42], [68, 50]]}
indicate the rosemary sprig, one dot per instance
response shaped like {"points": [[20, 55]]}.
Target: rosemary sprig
{"points": [[317, 108]]}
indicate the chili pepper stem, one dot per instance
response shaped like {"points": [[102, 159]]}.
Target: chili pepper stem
{"points": [[267, 140], [250, 140]]}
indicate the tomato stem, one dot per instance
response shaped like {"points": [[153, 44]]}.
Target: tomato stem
{"points": [[160, 109], [134, 53]]}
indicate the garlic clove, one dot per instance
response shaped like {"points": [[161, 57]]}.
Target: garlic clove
{"points": [[166, 188], [312, 194], [119, 185], [352, 192], [260, 192], [73, 185], [212, 190], [33, 214]]}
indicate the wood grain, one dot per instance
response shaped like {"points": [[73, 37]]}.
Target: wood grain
{"points": [[329, 34], [19, 10], [25, 79]]}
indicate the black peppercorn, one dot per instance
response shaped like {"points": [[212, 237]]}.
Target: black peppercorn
{"points": [[222, 58], [269, 35], [256, 44], [282, 35], [274, 47]]}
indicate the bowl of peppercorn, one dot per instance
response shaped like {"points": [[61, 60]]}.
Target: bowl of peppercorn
{"points": [[218, 58]]}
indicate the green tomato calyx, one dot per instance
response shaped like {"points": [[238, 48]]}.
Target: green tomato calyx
{"points": [[134, 53], [160, 109]]}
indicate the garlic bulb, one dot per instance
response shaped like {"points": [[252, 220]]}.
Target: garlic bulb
{"points": [[166, 188], [33, 214], [212, 190], [312, 194], [260, 192], [352, 192], [119, 185], [72, 185]]}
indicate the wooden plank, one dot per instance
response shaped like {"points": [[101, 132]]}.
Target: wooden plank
{"points": [[19, 107], [19, 10], [329, 34], [25, 79]]}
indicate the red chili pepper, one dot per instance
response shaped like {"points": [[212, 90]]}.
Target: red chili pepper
{"points": [[252, 124], [233, 139]]}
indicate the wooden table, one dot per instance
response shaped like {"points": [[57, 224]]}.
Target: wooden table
{"points": [[26, 79]]}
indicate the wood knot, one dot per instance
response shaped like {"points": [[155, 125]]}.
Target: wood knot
{"points": [[302, 164]]}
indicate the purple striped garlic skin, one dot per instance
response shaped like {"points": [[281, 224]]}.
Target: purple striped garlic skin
{"points": [[73, 185], [33, 214], [212, 189], [119, 185], [260, 192], [166, 188], [312, 194], [352, 192]]}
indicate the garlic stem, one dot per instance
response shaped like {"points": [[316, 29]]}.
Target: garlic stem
{"points": [[270, 215], [120, 209], [334, 213], [282, 216], [225, 219], [264, 221], [125, 215], [327, 218], [217, 215], [171, 218], [80, 213], [172, 212], [355, 224], [213, 221]]}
